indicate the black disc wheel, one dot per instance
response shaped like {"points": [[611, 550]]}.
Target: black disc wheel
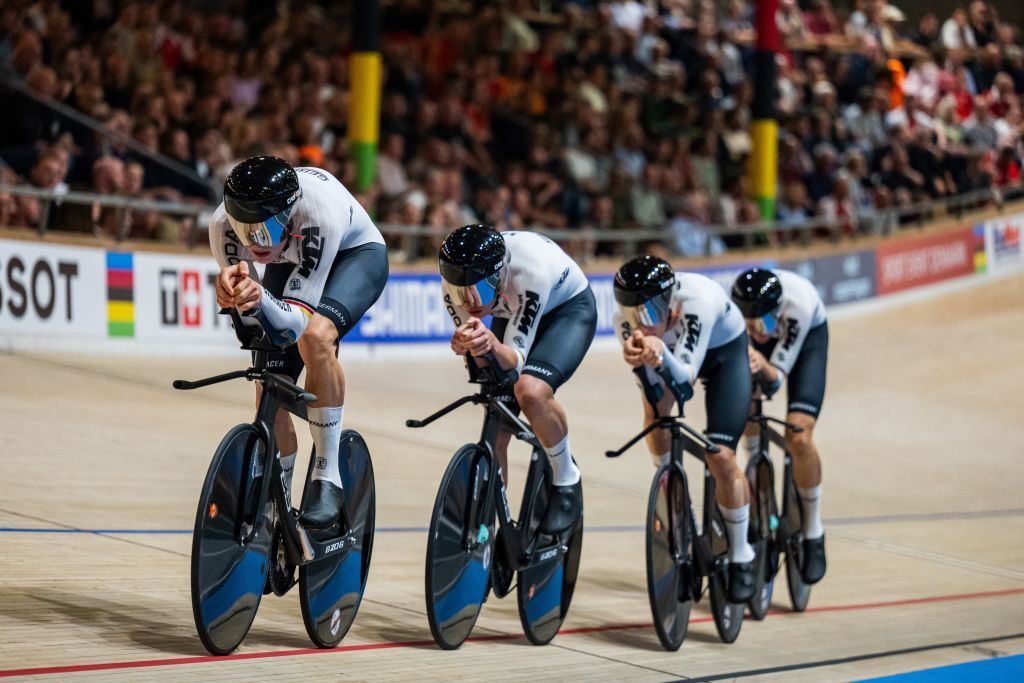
{"points": [[331, 589], [728, 616], [763, 524], [546, 586], [799, 591], [670, 566], [460, 546], [231, 541]]}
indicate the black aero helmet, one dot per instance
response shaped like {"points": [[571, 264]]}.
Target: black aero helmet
{"points": [[643, 278], [471, 253], [757, 292], [259, 195]]}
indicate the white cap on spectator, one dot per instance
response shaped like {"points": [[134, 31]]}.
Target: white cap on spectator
{"points": [[417, 199], [824, 88], [892, 13]]}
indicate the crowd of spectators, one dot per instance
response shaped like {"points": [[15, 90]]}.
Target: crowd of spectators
{"points": [[608, 116]]}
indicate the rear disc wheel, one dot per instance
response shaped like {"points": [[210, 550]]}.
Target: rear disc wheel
{"points": [[331, 589]]}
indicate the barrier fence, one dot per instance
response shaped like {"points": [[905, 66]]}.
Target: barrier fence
{"points": [[874, 221], [130, 301]]}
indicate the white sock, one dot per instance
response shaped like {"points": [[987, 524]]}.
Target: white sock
{"points": [[325, 426], [752, 442], [810, 500], [565, 470], [663, 459], [287, 467], [736, 522]]}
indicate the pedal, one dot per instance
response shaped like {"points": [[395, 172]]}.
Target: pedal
{"points": [[281, 576], [501, 573], [684, 587]]}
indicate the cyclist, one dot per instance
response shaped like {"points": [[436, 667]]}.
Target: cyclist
{"points": [[685, 323], [326, 264], [786, 322], [543, 319]]}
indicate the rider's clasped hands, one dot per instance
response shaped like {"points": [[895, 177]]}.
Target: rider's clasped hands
{"points": [[474, 338], [236, 288], [642, 349]]}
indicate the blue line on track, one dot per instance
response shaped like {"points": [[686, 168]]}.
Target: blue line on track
{"points": [[994, 670], [840, 521]]}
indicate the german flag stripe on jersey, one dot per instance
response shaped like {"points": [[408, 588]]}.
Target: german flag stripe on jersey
{"points": [[306, 308]]}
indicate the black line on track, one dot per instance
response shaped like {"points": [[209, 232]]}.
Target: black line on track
{"points": [[618, 661], [855, 658]]}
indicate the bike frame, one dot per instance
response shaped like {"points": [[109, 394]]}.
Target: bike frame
{"points": [[685, 439], [766, 437], [278, 392], [519, 545]]}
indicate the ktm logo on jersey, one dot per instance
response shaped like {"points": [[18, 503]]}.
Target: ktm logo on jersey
{"points": [[792, 331], [530, 311], [693, 328], [312, 249]]}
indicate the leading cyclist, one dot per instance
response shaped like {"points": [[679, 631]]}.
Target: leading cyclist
{"points": [[544, 319], [326, 264], [686, 323], [786, 322]]}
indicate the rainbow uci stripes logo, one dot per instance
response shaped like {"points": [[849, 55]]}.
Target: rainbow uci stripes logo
{"points": [[120, 295]]}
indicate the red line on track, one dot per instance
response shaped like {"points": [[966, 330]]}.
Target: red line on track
{"points": [[175, 661]]}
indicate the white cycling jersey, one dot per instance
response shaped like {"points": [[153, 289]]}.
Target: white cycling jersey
{"points": [[800, 311], [705, 318], [326, 219], [539, 277]]}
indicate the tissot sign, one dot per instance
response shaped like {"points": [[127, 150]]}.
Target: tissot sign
{"points": [[175, 298], [47, 288]]}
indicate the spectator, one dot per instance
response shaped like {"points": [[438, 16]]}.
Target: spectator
{"points": [[838, 207], [391, 167], [819, 180], [792, 209], [689, 234]]}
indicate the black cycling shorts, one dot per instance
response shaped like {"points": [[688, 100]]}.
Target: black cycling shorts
{"points": [[725, 374], [356, 280], [805, 386], [563, 336]]}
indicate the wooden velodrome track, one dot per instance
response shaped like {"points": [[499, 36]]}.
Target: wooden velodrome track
{"points": [[921, 437]]}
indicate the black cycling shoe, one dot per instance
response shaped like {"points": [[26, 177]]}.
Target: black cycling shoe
{"points": [[565, 506], [322, 508], [813, 567], [741, 582]]}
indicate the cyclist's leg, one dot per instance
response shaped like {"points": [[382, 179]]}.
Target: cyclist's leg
{"points": [[806, 391], [726, 373], [751, 432], [659, 442], [287, 363], [354, 283], [563, 337]]}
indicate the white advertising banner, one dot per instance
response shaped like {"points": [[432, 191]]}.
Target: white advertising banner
{"points": [[1002, 242], [48, 290], [175, 300]]}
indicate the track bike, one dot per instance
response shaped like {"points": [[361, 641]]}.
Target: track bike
{"points": [[247, 539], [774, 534], [680, 554], [476, 546]]}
